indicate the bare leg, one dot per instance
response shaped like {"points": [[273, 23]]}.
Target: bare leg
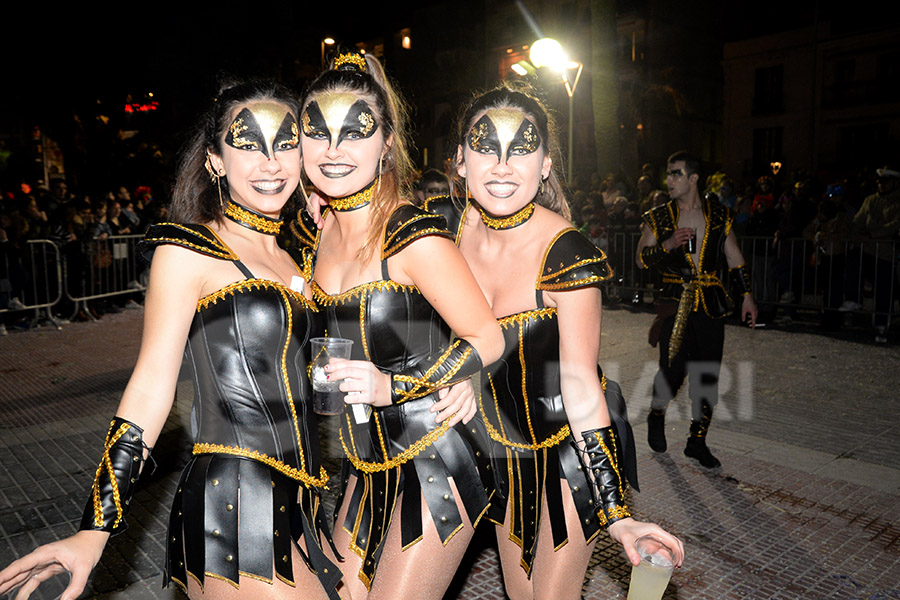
{"points": [[424, 570], [351, 586], [556, 574], [306, 586]]}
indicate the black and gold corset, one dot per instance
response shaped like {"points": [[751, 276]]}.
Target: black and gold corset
{"points": [[678, 267], [391, 325], [248, 348], [521, 398]]}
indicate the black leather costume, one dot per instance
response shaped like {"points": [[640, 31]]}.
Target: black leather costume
{"points": [[521, 402], [401, 448], [237, 507], [678, 266]]}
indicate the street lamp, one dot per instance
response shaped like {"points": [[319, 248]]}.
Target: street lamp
{"points": [[329, 41], [547, 52]]}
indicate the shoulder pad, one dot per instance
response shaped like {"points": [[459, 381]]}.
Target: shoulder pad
{"points": [[407, 224], [572, 261], [447, 206], [303, 230], [718, 214], [198, 238]]}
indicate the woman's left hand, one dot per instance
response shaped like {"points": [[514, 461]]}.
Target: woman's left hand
{"points": [[456, 403], [363, 382], [314, 206], [626, 531]]}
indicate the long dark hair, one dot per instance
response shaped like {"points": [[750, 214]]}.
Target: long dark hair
{"points": [[392, 113], [521, 96], [195, 198]]}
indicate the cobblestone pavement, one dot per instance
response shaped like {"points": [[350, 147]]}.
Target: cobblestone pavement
{"points": [[807, 504]]}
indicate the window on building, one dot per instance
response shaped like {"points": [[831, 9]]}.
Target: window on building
{"points": [[768, 92], [768, 147], [861, 145]]}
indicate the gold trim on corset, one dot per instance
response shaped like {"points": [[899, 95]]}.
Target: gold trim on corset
{"points": [[414, 450], [249, 285], [323, 298], [274, 463]]}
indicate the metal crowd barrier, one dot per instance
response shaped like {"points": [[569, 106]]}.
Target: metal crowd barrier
{"points": [[104, 268], [792, 273]]}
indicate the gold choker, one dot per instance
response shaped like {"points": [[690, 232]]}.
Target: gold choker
{"points": [[509, 221], [353, 201], [252, 220]]}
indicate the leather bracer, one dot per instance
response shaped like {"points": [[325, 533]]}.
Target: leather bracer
{"points": [[114, 482], [456, 363], [653, 256], [608, 489], [740, 280]]}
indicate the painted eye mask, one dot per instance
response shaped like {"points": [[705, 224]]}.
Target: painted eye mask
{"points": [[338, 117], [504, 132], [267, 127]]}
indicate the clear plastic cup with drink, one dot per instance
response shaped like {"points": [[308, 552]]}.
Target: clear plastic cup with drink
{"points": [[328, 399], [650, 578]]}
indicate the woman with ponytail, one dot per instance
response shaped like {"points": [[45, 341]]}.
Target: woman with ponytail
{"points": [[388, 276]]}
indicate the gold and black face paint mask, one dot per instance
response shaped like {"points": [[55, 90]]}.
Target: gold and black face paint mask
{"points": [[337, 117], [504, 132], [268, 127]]}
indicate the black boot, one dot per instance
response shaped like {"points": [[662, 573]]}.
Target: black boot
{"points": [[696, 448], [696, 445], [656, 430]]}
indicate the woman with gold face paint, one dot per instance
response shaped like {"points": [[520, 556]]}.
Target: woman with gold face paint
{"points": [[389, 277], [246, 520], [541, 276]]}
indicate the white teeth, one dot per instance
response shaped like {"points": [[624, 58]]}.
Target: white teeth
{"points": [[336, 168], [268, 185], [501, 189]]}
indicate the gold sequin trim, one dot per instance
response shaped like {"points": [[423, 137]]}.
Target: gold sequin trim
{"points": [[591, 279], [509, 221], [219, 249], [352, 58], [518, 318], [387, 252], [276, 464], [325, 299], [352, 201], [422, 386], [249, 285], [257, 222], [106, 463], [414, 450]]}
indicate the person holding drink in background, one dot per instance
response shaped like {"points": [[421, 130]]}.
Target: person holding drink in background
{"points": [[686, 239], [247, 519], [388, 277]]}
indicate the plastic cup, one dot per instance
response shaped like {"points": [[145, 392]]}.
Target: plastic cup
{"points": [[328, 399], [650, 578], [691, 246]]}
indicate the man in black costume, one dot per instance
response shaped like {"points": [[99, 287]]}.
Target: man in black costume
{"points": [[686, 239]]}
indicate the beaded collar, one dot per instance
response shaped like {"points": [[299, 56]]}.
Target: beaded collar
{"points": [[508, 221], [252, 219], [354, 201]]}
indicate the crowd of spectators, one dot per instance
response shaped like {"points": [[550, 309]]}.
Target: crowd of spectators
{"points": [[77, 224], [836, 239]]}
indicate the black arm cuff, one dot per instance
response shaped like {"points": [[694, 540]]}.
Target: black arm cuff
{"points": [[740, 280], [609, 489], [456, 363], [114, 482], [652, 256]]}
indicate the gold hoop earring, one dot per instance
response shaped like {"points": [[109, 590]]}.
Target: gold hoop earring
{"points": [[380, 171], [541, 187], [467, 188]]}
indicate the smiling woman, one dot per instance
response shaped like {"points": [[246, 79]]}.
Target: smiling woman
{"points": [[246, 519], [388, 277]]}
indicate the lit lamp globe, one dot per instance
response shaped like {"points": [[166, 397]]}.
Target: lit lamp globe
{"points": [[547, 52]]}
